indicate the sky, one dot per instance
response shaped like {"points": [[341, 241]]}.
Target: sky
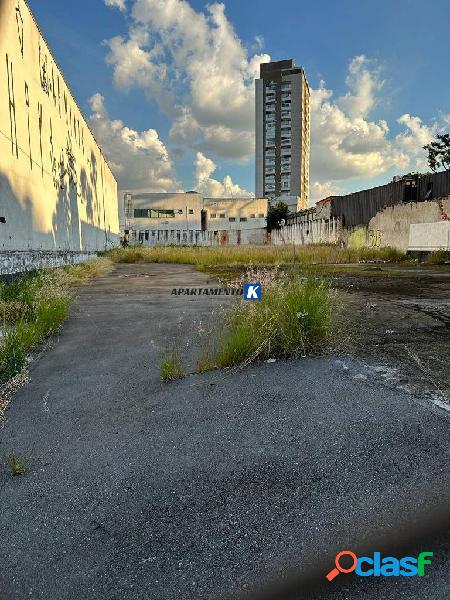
{"points": [[167, 86]]}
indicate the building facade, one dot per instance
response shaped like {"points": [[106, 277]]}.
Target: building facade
{"points": [[148, 212], [58, 197], [152, 218], [282, 128], [226, 214]]}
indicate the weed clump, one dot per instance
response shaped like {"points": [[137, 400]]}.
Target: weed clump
{"points": [[440, 257], [293, 318], [15, 463], [171, 367]]}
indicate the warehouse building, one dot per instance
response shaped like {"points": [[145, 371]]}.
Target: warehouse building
{"points": [[187, 217]]}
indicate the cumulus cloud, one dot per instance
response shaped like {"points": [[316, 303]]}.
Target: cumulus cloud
{"points": [[212, 188], [120, 4], [363, 81], [413, 139], [139, 159], [196, 68], [320, 190], [347, 143]]}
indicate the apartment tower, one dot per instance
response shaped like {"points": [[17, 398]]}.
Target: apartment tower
{"points": [[282, 133]]}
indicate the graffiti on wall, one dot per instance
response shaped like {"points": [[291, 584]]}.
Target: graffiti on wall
{"points": [[375, 238], [19, 21], [62, 161]]}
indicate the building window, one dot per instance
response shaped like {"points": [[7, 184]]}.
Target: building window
{"points": [[191, 211], [213, 216], [222, 216], [150, 213], [232, 219], [253, 216], [261, 216], [146, 234], [243, 219], [141, 213]]}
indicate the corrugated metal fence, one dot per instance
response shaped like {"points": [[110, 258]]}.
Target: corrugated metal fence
{"points": [[358, 208]]}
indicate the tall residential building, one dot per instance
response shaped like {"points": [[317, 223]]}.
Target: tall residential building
{"points": [[283, 133]]}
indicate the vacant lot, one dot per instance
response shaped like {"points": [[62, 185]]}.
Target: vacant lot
{"points": [[205, 487]]}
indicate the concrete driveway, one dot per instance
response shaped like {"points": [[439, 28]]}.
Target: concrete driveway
{"points": [[209, 486]]}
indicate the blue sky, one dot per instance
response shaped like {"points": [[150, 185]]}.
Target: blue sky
{"points": [[382, 65]]}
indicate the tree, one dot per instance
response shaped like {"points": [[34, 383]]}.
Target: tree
{"points": [[276, 214], [439, 152]]}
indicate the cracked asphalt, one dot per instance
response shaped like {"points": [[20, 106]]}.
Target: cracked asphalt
{"points": [[210, 486]]}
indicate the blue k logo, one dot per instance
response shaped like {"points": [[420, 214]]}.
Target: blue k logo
{"points": [[252, 291]]}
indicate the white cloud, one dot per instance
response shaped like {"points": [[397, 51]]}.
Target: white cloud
{"points": [[415, 136], [194, 65], [120, 4], [363, 82], [346, 143], [212, 188], [320, 190], [139, 159]]}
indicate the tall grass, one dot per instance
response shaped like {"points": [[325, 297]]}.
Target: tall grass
{"points": [[293, 318], [440, 257], [258, 255], [35, 305]]}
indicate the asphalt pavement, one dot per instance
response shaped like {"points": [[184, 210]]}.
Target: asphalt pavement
{"points": [[210, 486]]}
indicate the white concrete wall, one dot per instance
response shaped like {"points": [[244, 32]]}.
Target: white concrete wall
{"points": [[57, 192], [28, 260], [391, 226], [317, 231], [429, 237], [204, 238]]}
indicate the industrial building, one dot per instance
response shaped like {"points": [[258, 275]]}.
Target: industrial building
{"points": [[282, 133], [58, 197], [187, 217], [235, 213]]}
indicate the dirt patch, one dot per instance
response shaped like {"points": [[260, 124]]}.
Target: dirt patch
{"points": [[402, 322]]}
